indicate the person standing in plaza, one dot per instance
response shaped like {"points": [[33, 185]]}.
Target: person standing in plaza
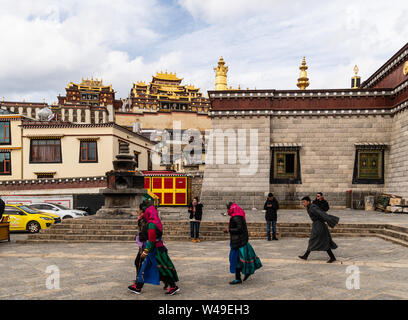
{"points": [[320, 238], [321, 202], [242, 256], [271, 208], [156, 264], [195, 209]]}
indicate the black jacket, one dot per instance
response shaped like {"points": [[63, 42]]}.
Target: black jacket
{"points": [[198, 213], [238, 231], [271, 212], [322, 204]]}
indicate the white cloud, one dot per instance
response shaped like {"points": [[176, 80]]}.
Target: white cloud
{"points": [[46, 44]]}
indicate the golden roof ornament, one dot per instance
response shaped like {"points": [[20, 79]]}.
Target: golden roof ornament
{"points": [[303, 80], [221, 75], [356, 80]]}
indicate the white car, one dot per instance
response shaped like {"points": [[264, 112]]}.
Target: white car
{"points": [[63, 212]]}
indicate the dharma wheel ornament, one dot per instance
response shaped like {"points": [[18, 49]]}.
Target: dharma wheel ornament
{"points": [[303, 81]]}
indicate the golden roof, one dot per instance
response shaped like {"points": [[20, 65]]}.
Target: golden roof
{"points": [[90, 84], [167, 76]]}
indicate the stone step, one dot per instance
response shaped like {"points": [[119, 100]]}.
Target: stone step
{"points": [[395, 234], [393, 240]]}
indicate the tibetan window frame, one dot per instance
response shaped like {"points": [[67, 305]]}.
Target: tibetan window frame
{"points": [[6, 132], [358, 176], [82, 142], [5, 162], [274, 176], [57, 151]]}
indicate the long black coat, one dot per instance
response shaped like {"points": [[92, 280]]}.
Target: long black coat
{"points": [[271, 213], [320, 238], [322, 204], [238, 231], [2, 206]]}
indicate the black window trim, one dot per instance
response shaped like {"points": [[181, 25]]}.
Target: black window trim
{"points": [[356, 179], [298, 179]]}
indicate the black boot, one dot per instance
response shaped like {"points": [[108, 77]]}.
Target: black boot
{"points": [[274, 237], [237, 277], [305, 256], [331, 255]]}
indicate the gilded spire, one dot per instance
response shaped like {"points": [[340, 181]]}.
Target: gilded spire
{"points": [[221, 75], [303, 81]]}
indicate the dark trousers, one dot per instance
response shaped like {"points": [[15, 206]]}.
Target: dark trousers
{"points": [[268, 228], [194, 229], [329, 252]]}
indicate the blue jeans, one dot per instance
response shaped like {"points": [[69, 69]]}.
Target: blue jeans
{"points": [[194, 229], [268, 228]]}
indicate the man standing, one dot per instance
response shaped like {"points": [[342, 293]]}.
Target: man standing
{"points": [[271, 215], [320, 238], [321, 202]]}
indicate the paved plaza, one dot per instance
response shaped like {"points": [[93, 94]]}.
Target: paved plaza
{"points": [[103, 271]]}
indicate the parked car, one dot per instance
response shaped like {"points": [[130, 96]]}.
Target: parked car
{"points": [[23, 218], [60, 210]]}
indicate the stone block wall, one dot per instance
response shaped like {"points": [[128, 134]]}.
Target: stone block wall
{"points": [[397, 169], [224, 182], [328, 153]]}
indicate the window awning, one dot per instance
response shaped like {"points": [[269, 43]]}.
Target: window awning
{"points": [[284, 145], [371, 145]]}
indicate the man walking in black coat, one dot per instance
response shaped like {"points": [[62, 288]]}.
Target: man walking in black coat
{"points": [[271, 208], [321, 202], [320, 238]]}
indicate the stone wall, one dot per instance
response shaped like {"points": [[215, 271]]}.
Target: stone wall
{"points": [[226, 182], [327, 154], [397, 170]]}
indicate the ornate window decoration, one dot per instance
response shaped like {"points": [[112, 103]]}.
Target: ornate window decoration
{"points": [[369, 163], [285, 164]]}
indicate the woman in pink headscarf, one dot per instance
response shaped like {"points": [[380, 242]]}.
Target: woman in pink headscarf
{"points": [[157, 265], [242, 255]]}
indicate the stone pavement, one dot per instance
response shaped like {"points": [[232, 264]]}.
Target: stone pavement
{"points": [[103, 271]]}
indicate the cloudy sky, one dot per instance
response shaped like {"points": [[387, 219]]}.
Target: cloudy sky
{"points": [[45, 44]]}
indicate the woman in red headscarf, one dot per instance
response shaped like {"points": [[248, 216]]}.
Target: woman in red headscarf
{"points": [[242, 255], [157, 265]]}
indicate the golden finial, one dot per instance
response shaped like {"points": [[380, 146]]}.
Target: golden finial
{"points": [[356, 70], [221, 75], [303, 81], [239, 87]]}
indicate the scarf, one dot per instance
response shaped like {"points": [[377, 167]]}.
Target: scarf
{"points": [[151, 216], [235, 210]]}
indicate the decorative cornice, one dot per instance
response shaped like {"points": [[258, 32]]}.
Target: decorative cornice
{"points": [[390, 65], [302, 94], [52, 180], [285, 113]]}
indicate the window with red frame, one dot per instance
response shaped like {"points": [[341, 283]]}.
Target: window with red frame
{"points": [[5, 132], [88, 152], [5, 163]]}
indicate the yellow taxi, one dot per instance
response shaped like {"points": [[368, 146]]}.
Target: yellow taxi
{"points": [[23, 218]]}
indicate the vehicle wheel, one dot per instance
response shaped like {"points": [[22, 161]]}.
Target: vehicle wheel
{"points": [[33, 227], [67, 217]]}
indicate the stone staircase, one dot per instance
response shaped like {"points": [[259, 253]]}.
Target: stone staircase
{"points": [[120, 230]]}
